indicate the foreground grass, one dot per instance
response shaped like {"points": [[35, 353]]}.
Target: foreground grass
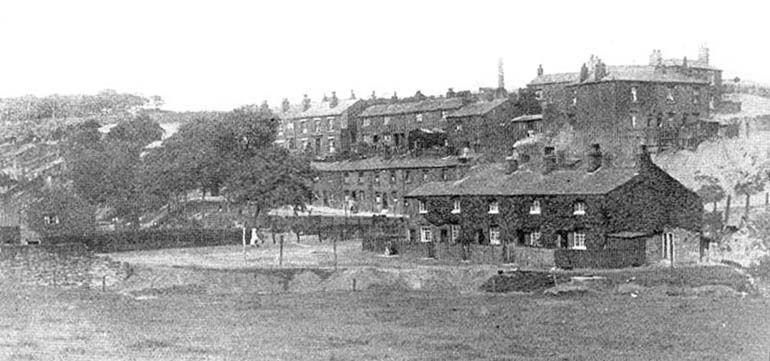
{"points": [[45, 324]]}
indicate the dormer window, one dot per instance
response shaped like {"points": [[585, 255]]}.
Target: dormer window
{"points": [[634, 97], [579, 208], [534, 208], [423, 208], [418, 118], [494, 207], [456, 206]]}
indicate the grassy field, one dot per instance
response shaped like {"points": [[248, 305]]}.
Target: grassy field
{"points": [[378, 324]]}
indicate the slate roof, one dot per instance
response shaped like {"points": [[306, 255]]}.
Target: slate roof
{"points": [[491, 180], [477, 108], [692, 63], [555, 78], [377, 163], [641, 73], [426, 105], [316, 110]]}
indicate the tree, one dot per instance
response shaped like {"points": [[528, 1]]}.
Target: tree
{"points": [[710, 191], [750, 184], [140, 130]]}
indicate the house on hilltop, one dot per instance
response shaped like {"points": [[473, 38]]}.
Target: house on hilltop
{"points": [[572, 213]]}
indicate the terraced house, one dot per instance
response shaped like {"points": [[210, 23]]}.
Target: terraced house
{"points": [[321, 128], [379, 185], [570, 213]]}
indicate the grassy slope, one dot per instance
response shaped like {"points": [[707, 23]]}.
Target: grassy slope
{"points": [[379, 325]]}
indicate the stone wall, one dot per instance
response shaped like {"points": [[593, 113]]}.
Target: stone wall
{"points": [[66, 265]]}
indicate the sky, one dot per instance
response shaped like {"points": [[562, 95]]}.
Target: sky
{"points": [[218, 55]]}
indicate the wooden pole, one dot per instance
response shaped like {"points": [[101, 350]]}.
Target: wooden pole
{"points": [[280, 252], [727, 209]]}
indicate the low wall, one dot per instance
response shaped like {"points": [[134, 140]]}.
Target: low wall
{"points": [[607, 258], [65, 265]]}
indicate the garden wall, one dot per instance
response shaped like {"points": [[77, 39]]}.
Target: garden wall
{"points": [[64, 265]]}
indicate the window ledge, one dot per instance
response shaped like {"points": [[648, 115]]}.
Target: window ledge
{"points": [[423, 212], [538, 213], [583, 248], [455, 211], [579, 213], [494, 212]]}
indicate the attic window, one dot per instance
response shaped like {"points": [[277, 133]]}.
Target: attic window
{"points": [[534, 208], [418, 118], [579, 208]]}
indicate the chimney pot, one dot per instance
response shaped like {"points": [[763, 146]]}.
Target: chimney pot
{"points": [[333, 101], [540, 70], [305, 103]]}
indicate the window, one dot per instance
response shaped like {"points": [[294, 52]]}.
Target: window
{"points": [[579, 208], [668, 245], [494, 207], [425, 234], [633, 120], [376, 178], [418, 118], [670, 94], [386, 121], [443, 115], [696, 96], [332, 148], [534, 208], [368, 139], [346, 178], [456, 206], [494, 235], [51, 219], [459, 127], [423, 209], [634, 98], [360, 177], [443, 174], [425, 175], [408, 176], [367, 122], [290, 126], [330, 123], [317, 125], [392, 177], [454, 232], [378, 198], [574, 97], [579, 240], [539, 95], [533, 239], [303, 124]]}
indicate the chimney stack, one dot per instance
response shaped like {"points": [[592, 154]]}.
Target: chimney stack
{"points": [[333, 101], [352, 94], [419, 95], [594, 158], [703, 54], [549, 160], [394, 97], [684, 62], [374, 95], [500, 74], [264, 107], [450, 93], [305, 103], [583, 73], [600, 70], [643, 159], [540, 70], [512, 162], [285, 105]]}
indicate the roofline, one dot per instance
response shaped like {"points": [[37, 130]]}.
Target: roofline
{"points": [[703, 82], [509, 195], [409, 112], [388, 168]]}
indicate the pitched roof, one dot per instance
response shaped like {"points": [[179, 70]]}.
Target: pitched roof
{"points": [[692, 63], [490, 179], [555, 78], [426, 105], [477, 108], [316, 109], [377, 163]]}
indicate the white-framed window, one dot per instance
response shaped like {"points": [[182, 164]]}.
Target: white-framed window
{"points": [[367, 122], [387, 139], [386, 121], [418, 118], [533, 238], [422, 207], [424, 175], [456, 206], [332, 147], [494, 207], [303, 125], [667, 248], [634, 97], [578, 240], [426, 235], [330, 123], [454, 232], [378, 198], [574, 97], [494, 235], [579, 208], [534, 208], [317, 122], [696, 96]]}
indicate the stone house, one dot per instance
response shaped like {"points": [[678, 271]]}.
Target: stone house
{"points": [[483, 126], [322, 129], [378, 184], [577, 212]]}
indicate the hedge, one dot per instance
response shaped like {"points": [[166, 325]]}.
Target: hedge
{"points": [[148, 239]]}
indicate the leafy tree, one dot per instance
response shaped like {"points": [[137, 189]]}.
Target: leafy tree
{"points": [[710, 191], [140, 130], [750, 184]]}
